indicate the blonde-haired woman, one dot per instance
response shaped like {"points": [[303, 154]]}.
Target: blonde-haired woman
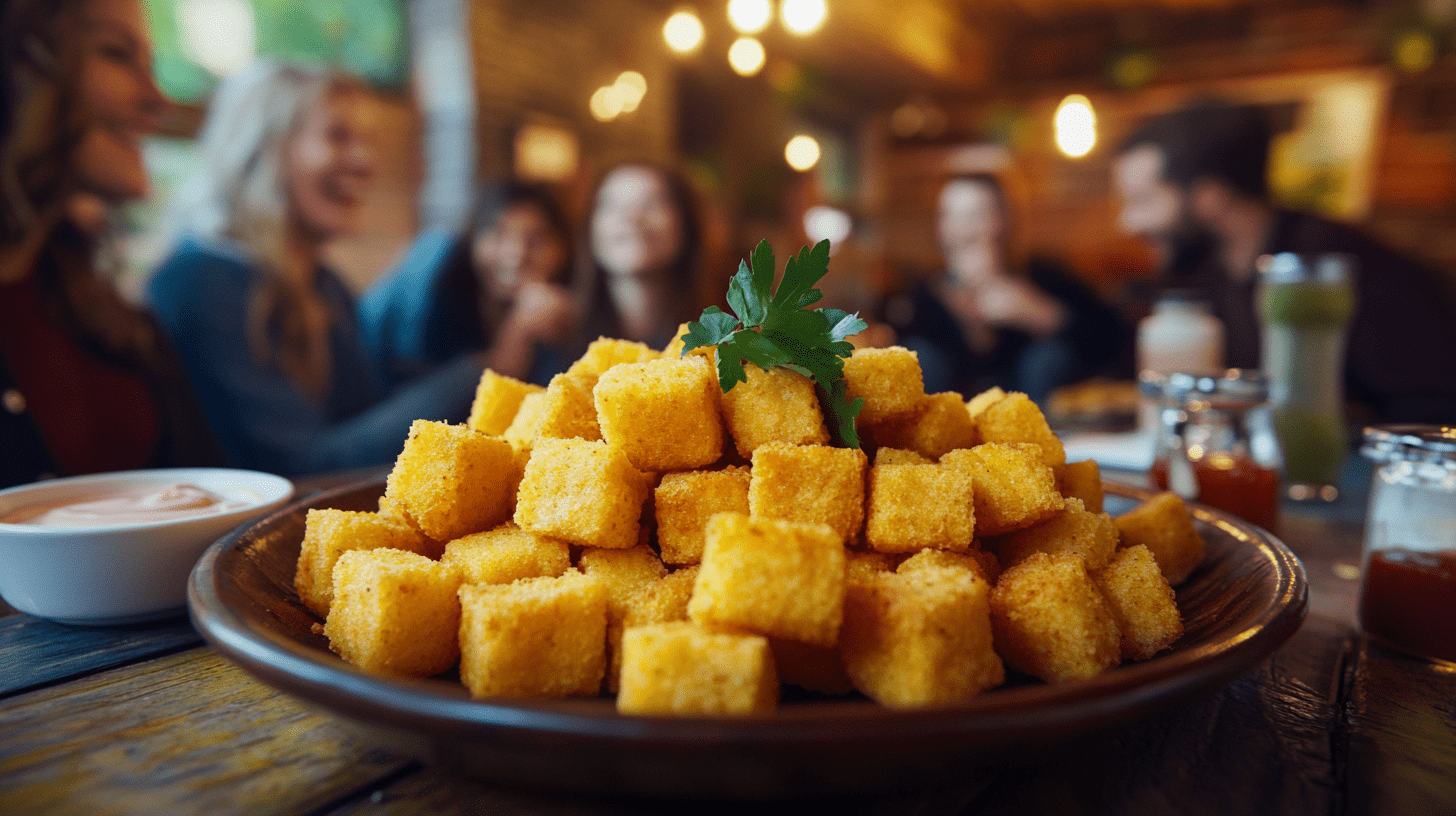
{"points": [[268, 333]]}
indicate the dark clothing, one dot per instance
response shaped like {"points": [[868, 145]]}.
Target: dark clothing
{"points": [[1400, 356], [1093, 338]]}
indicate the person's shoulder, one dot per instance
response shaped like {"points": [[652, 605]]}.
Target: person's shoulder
{"points": [[197, 261]]}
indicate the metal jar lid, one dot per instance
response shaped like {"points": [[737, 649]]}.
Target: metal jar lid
{"points": [[1411, 443]]}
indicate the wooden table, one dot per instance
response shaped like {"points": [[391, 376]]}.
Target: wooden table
{"points": [[148, 720]]}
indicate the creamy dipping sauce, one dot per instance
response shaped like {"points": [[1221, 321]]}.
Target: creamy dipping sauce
{"points": [[137, 505]]}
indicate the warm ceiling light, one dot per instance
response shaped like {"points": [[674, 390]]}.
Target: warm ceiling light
{"points": [[1075, 126], [630, 87], [803, 16], [746, 56], [749, 16], [830, 224], [683, 32], [606, 104], [802, 152]]}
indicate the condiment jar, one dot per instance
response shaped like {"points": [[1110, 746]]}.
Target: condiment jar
{"points": [[1408, 594], [1181, 334]]}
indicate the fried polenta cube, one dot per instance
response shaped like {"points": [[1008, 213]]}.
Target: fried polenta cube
{"points": [[777, 405], [1015, 418], [570, 410], [453, 481], [1052, 621], [1092, 536], [624, 573], [685, 501], [888, 379], [1012, 487], [810, 483], [815, 668], [394, 612], [899, 456], [862, 564], [912, 507], [920, 638], [497, 400], [506, 554], [663, 600], [1164, 526], [940, 426], [536, 637], [982, 563], [605, 353], [582, 492], [329, 533], [684, 669], [1142, 602], [526, 425], [663, 414], [779, 578], [1083, 480], [977, 405]]}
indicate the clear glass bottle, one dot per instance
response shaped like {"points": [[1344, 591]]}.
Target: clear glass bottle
{"points": [[1408, 594]]}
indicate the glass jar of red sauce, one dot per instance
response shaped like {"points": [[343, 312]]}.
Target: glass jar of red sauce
{"points": [[1408, 595], [1216, 444]]}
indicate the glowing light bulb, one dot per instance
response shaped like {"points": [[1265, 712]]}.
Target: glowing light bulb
{"points": [[803, 16], [683, 32], [1075, 126], [802, 152], [630, 87], [749, 16], [606, 103], [746, 56]]}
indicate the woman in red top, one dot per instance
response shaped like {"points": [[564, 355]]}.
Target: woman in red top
{"points": [[87, 382]]}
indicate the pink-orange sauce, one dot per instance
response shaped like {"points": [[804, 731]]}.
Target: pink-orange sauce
{"points": [[127, 506]]}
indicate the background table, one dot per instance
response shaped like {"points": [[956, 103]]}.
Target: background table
{"points": [[148, 720]]}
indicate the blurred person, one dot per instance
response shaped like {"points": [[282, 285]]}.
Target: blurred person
{"points": [[269, 334], [499, 287], [1193, 183], [994, 318], [644, 242], [88, 383]]}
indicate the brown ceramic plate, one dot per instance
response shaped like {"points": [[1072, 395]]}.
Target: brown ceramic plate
{"points": [[1247, 598]]}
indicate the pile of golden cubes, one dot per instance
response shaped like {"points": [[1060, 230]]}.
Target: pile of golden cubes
{"points": [[632, 529]]}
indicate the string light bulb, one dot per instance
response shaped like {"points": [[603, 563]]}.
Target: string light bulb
{"points": [[1074, 126], [802, 152], [746, 56], [683, 32], [749, 16], [803, 16]]}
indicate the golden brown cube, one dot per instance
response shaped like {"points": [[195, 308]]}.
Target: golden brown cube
{"points": [[604, 353], [898, 456], [982, 563], [1092, 536], [1015, 418], [663, 600], [683, 669], [862, 564], [777, 405], [912, 507], [940, 426], [327, 534], [1164, 526], [920, 638], [810, 483], [453, 481], [1083, 480], [537, 637], [685, 501], [1012, 487], [779, 578], [582, 492], [663, 414], [570, 410], [816, 668], [497, 400], [1142, 602], [1052, 621], [506, 554], [394, 612], [624, 573], [526, 425], [395, 509], [888, 379], [977, 405]]}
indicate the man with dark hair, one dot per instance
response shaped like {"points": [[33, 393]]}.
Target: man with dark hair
{"points": [[1193, 184]]}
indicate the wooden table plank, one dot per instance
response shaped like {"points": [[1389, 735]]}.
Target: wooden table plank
{"points": [[184, 734], [35, 652]]}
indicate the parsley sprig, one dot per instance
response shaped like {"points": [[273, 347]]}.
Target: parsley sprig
{"points": [[771, 326]]}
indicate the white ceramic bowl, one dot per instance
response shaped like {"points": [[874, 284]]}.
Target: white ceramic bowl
{"points": [[125, 572]]}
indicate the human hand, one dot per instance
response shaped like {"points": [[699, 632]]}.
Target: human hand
{"points": [[541, 311]]}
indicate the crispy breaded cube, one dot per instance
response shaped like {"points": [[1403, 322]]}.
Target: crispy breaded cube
{"points": [[684, 502], [394, 612], [1083, 480], [867, 563], [1052, 621], [663, 600], [888, 379], [395, 509], [526, 425], [327, 534], [518, 472], [604, 353], [674, 348], [815, 668], [1142, 602], [1164, 526], [898, 456], [570, 411], [912, 507], [681, 668], [536, 637], [497, 400], [1015, 418], [939, 427], [624, 573], [453, 481], [506, 554], [810, 483], [582, 492], [778, 578], [1092, 536], [777, 405], [663, 414], [920, 638], [1012, 487], [976, 560], [976, 405]]}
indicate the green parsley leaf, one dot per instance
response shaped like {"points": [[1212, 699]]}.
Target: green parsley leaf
{"points": [[709, 330]]}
